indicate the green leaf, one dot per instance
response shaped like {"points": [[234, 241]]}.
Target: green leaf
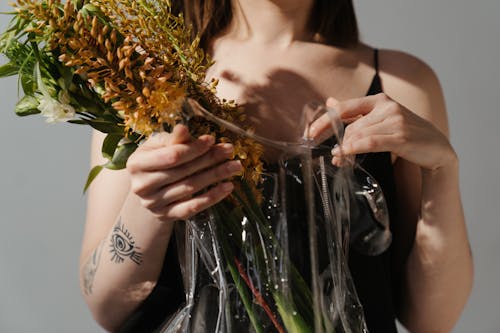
{"points": [[89, 9], [66, 75], [77, 3], [28, 83], [121, 155], [92, 174], [27, 106], [242, 288], [109, 145], [105, 126], [292, 320], [89, 105], [77, 122], [118, 162], [245, 298], [8, 69]]}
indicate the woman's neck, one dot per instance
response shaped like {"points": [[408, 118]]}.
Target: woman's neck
{"points": [[279, 22]]}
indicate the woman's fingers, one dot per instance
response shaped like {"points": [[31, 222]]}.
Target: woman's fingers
{"points": [[348, 111], [352, 109], [153, 181], [200, 181], [177, 176], [382, 125], [321, 129], [191, 185], [160, 157], [375, 122], [179, 134], [187, 208], [371, 144]]}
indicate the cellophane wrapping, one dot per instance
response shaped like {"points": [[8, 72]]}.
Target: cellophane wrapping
{"points": [[277, 261]]}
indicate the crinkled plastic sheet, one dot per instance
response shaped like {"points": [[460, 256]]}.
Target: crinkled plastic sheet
{"points": [[280, 265]]}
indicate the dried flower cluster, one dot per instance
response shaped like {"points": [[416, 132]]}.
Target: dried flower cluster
{"points": [[137, 85], [141, 60], [129, 68]]}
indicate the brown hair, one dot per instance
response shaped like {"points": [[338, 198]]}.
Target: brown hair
{"points": [[333, 20]]}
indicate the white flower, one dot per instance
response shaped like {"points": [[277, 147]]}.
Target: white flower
{"points": [[51, 108], [63, 97], [54, 110]]}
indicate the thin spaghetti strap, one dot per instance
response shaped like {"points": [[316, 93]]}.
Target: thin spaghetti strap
{"points": [[376, 85], [375, 60]]}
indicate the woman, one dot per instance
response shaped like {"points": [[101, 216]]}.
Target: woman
{"points": [[263, 51]]}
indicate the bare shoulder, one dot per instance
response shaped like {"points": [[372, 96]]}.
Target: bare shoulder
{"points": [[414, 84], [404, 68]]}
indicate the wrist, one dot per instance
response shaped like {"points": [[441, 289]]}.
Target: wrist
{"points": [[440, 199], [134, 212], [447, 169]]}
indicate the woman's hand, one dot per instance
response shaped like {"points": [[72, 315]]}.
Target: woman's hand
{"points": [[377, 123], [432, 243], [177, 176]]}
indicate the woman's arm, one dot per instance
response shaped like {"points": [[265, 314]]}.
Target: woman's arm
{"points": [[433, 246], [131, 213], [438, 273], [111, 287]]}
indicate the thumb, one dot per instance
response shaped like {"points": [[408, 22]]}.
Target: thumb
{"points": [[321, 128], [180, 134]]}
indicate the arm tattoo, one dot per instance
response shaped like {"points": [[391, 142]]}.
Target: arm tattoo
{"points": [[90, 268], [123, 245]]}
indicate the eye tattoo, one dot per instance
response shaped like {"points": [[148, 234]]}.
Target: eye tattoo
{"points": [[123, 245]]}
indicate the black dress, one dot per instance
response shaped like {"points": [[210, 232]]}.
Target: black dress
{"points": [[373, 275]]}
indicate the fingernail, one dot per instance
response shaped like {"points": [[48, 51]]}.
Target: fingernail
{"points": [[226, 187], [227, 148], [312, 131], [210, 140], [207, 139], [336, 150], [234, 166]]}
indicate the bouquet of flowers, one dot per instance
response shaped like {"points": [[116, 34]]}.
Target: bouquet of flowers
{"points": [[131, 68]]}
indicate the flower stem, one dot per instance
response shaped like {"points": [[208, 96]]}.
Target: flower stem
{"points": [[258, 297]]}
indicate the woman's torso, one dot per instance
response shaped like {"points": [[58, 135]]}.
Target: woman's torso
{"points": [[274, 85]]}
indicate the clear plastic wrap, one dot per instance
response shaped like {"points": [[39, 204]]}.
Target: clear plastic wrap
{"points": [[278, 263]]}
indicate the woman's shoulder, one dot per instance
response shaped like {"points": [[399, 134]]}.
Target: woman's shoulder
{"points": [[413, 83], [403, 66]]}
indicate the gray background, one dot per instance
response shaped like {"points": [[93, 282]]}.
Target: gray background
{"points": [[43, 167]]}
